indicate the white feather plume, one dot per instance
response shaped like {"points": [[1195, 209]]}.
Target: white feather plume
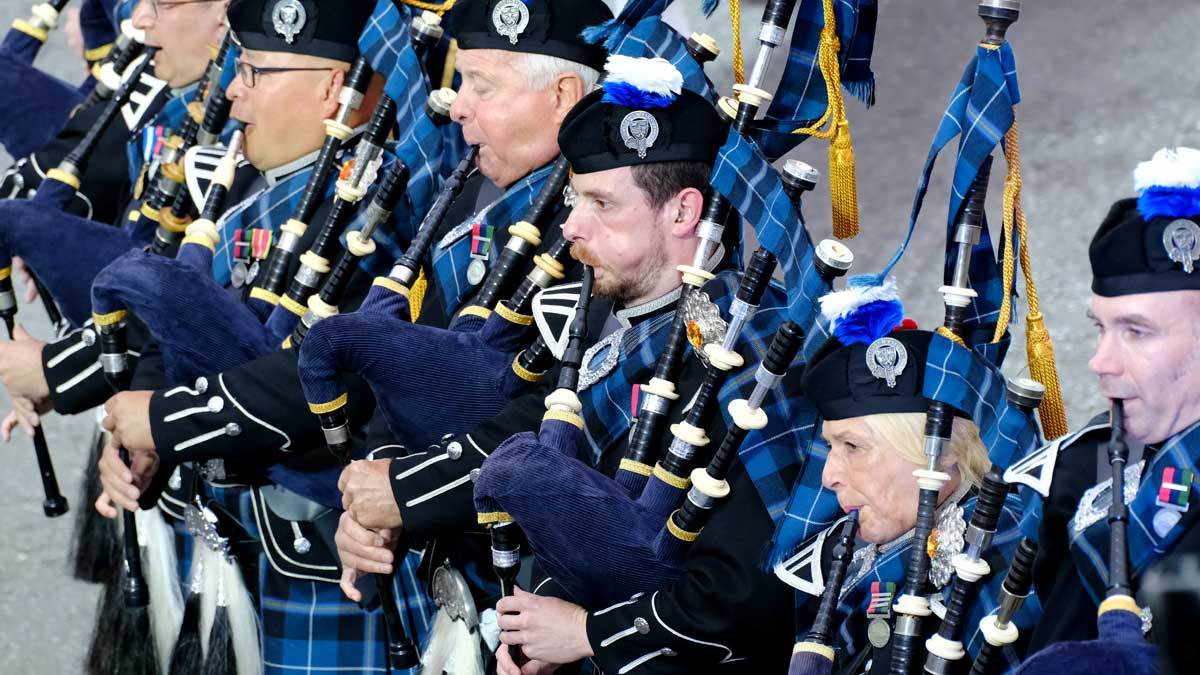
{"points": [[655, 76], [839, 304], [1171, 168]]}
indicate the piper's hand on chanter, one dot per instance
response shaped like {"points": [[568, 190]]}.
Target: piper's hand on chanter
{"points": [[367, 494], [547, 629], [22, 272], [127, 418], [123, 484], [21, 366], [25, 414], [505, 665], [362, 551]]}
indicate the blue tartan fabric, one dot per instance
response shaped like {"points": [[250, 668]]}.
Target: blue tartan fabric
{"points": [[970, 383], [888, 565], [1089, 546], [452, 254], [801, 98], [767, 453], [953, 374], [979, 113], [609, 533], [169, 118], [309, 626], [422, 149], [743, 176]]}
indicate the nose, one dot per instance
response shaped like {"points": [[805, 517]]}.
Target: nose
{"points": [[236, 90], [460, 109], [572, 227], [1107, 359], [143, 16], [832, 476]]}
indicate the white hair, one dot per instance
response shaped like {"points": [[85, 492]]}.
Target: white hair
{"points": [[541, 71]]}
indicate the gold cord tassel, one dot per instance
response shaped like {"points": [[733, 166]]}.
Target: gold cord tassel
{"points": [[843, 185], [739, 62], [1039, 348]]}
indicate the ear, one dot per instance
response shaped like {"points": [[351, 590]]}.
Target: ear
{"points": [[333, 89], [684, 212], [568, 90]]}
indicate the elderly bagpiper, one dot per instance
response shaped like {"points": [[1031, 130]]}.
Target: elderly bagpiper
{"points": [[1146, 306]]}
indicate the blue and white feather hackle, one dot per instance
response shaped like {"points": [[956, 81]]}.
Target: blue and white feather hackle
{"points": [[1169, 184], [641, 83], [863, 313]]}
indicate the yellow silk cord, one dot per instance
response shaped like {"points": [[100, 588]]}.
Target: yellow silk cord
{"points": [[1039, 348], [950, 335], [843, 186], [739, 61], [437, 7]]}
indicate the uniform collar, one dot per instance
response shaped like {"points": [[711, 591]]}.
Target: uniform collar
{"points": [[280, 173]]}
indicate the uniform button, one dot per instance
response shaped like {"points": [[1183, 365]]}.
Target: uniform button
{"points": [[88, 337], [454, 450], [474, 475], [232, 429], [667, 651], [641, 625], [216, 404], [201, 385]]}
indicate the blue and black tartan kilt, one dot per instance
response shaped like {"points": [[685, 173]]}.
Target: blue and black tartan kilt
{"points": [[310, 626]]}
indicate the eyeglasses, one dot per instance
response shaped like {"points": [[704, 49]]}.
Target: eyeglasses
{"points": [[250, 73], [155, 5]]}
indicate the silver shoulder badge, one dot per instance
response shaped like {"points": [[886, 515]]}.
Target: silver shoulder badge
{"points": [[511, 18], [886, 358], [289, 18], [1182, 241], [704, 323], [639, 130]]}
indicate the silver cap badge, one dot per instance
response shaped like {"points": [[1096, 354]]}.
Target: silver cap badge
{"points": [[887, 357], [1182, 241], [289, 18], [639, 130], [511, 18]]}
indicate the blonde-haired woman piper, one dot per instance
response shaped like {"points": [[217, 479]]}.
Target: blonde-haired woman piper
{"points": [[867, 383]]}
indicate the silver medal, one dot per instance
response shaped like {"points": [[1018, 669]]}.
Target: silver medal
{"points": [[1182, 241], [879, 632], [237, 276], [511, 18], [639, 130], [1165, 519], [476, 271], [886, 358], [252, 272], [289, 18]]}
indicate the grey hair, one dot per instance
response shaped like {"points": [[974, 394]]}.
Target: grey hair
{"points": [[541, 71]]}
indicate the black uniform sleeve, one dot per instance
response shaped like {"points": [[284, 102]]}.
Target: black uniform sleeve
{"points": [[725, 611], [72, 369], [434, 488], [257, 407]]}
